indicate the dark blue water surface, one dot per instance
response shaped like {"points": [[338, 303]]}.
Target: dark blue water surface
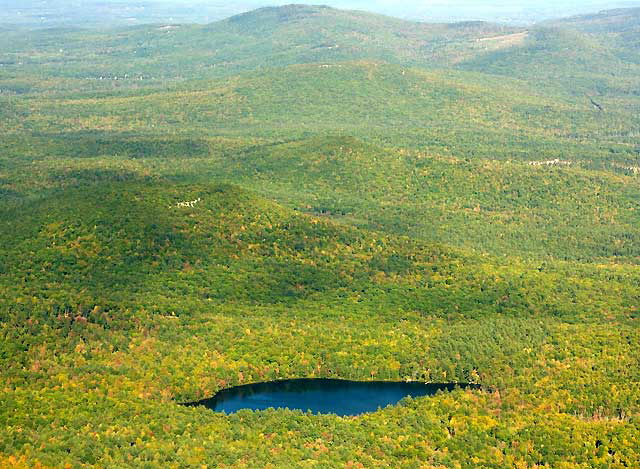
{"points": [[326, 396]]}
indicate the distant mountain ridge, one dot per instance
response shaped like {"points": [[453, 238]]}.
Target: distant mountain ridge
{"points": [[616, 21], [584, 54], [271, 19], [283, 13], [267, 37]]}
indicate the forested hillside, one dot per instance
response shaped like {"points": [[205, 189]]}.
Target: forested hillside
{"points": [[585, 54], [269, 37], [385, 148], [302, 192]]}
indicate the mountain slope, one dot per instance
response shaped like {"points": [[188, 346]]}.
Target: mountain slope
{"points": [[575, 56], [148, 55], [593, 54], [500, 207], [620, 29], [532, 174], [618, 21], [447, 113], [114, 297], [132, 244], [563, 211]]}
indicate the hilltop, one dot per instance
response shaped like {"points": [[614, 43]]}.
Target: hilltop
{"points": [[115, 249], [270, 18], [546, 209], [486, 115], [501, 207]]}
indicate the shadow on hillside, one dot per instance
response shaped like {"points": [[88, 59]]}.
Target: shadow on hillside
{"points": [[91, 145], [93, 246]]}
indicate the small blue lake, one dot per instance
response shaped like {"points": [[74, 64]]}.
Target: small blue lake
{"points": [[325, 396]]}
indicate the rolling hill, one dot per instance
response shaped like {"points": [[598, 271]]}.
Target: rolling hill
{"points": [[308, 192], [454, 112], [72, 252], [502, 167], [618, 21]]}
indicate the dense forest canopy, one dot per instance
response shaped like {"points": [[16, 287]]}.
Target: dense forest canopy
{"points": [[300, 192]]}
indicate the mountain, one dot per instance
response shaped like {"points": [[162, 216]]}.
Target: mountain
{"points": [[268, 37], [558, 210], [607, 21], [568, 56], [121, 248], [396, 105], [94, 13], [500, 207], [158, 246], [620, 27], [593, 54]]}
